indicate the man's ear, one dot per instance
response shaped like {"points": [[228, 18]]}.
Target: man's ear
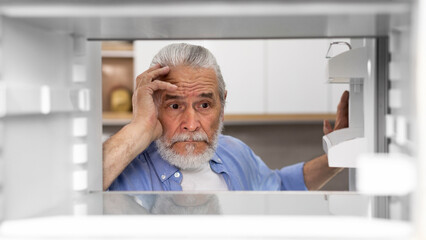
{"points": [[223, 109]]}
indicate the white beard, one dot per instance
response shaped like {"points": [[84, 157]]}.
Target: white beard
{"points": [[191, 160]]}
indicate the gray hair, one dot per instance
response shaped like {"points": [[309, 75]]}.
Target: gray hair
{"points": [[191, 55]]}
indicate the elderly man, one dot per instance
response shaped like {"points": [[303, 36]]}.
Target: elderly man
{"points": [[174, 140]]}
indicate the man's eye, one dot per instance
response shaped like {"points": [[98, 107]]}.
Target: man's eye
{"points": [[174, 106], [204, 105]]}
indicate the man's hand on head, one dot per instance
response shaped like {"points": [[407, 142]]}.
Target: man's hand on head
{"points": [[126, 144], [145, 111], [342, 119]]}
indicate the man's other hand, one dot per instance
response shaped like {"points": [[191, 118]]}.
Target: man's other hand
{"points": [[317, 171], [342, 119]]}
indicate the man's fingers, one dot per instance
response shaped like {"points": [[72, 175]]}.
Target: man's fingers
{"points": [[148, 77], [156, 66], [342, 112], [161, 85], [345, 97], [140, 76], [344, 102], [327, 127], [155, 73], [151, 74]]}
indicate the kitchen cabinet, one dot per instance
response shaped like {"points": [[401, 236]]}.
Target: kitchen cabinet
{"points": [[243, 69], [296, 76]]}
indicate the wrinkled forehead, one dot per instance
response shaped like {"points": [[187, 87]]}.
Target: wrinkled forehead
{"points": [[192, 81]]}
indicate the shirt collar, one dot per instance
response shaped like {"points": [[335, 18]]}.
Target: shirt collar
{"points": [[216, 158], [217, 165]]}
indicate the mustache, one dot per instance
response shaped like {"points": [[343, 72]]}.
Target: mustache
{"points": [[184, 137]]}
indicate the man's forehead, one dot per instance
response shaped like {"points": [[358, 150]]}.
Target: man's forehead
{"points": [[198, 82]]}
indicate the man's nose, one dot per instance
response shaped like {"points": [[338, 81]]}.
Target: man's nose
{"points": [[190, 121]]}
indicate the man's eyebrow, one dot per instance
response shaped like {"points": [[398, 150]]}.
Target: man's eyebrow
{"points": [[206, 95], [202, 95], [168, 97]]}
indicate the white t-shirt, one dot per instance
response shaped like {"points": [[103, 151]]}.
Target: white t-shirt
{"points": [[203, 179]]}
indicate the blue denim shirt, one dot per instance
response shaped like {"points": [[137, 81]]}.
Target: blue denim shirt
{"points": [[234, 160]]}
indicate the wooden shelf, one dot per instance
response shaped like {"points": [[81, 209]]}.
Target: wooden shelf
{"points": [[117, 46], [116, 119], [117, 49], [117, 54]]}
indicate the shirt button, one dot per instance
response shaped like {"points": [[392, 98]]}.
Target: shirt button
{"points": [[177, 174], [163, 176]]}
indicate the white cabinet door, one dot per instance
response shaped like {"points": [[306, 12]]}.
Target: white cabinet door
{"points": [[296, 76], [242, 67]]}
